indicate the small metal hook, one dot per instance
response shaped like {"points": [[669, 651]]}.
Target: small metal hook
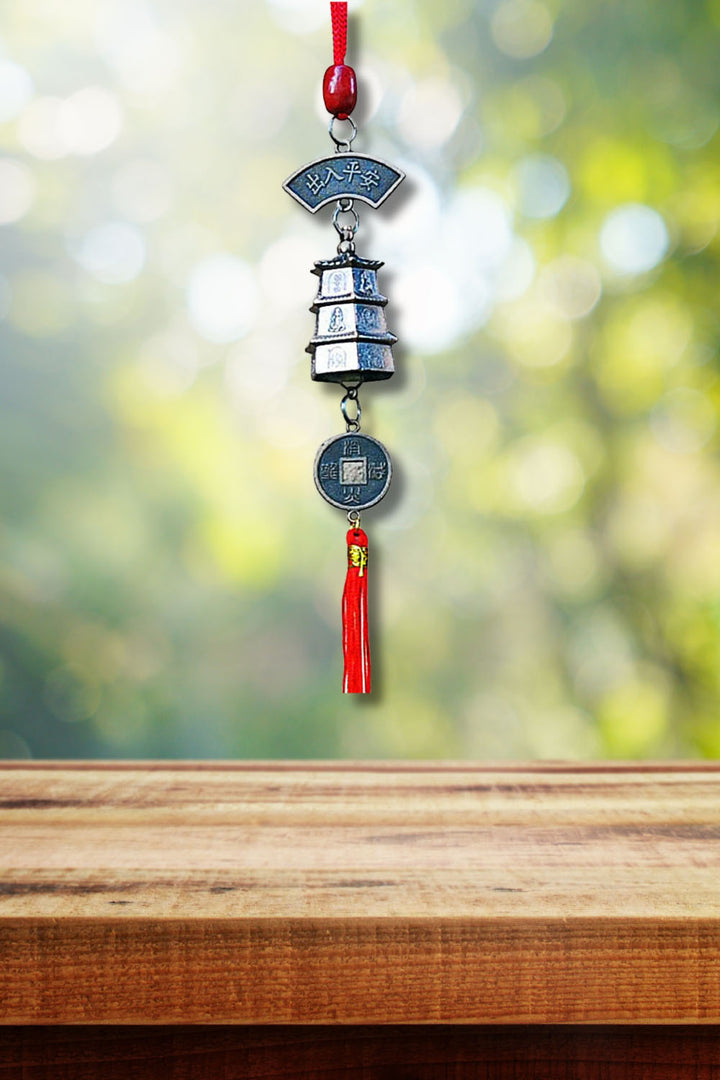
{"points": [[342, 146]]}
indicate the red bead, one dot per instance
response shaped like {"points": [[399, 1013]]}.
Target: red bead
{"points": [[340, 90]]}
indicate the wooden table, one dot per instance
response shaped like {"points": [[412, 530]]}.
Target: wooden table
{"points": [[360, 920]]}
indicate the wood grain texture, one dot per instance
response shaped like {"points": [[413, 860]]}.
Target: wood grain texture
{"points": [[359, 893], [360, 1053]]}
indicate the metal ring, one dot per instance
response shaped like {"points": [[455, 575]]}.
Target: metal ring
{"points": [[342, 146], [353, 517], [346, 232], [352, 422]]}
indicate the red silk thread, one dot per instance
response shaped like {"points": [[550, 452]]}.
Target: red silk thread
{"points": [[339, 17], [356, 635]]}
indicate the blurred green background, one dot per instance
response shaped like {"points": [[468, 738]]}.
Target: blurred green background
{"points": [[546, 573]]}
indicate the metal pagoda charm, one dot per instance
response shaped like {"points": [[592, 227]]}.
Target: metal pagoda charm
{"points": [[351, 344]]}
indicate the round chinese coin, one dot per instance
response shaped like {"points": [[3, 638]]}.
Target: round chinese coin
{"points": [[352, 471]]}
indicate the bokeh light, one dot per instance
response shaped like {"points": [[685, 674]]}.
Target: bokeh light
{"points": [[429, 113], [543, 184], [222, 297], [633, 239], [16, 89], [89, 120], [113, 252], [573, 286], [522, 28], [17, 190]]}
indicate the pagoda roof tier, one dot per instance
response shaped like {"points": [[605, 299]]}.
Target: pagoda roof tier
{"points": [[345, 259], [385, 338], [354, 298]]}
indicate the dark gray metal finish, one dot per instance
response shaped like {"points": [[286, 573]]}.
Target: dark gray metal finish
{"points": [[351, 340], [352, 471], [343, 176], [352, 361]]}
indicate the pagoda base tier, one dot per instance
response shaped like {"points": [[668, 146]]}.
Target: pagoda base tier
{"points": [[352, 361]]}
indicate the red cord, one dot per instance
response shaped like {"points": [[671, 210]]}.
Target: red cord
{"points": [[338, 14]]}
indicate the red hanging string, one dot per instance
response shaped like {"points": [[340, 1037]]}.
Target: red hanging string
{"points": [[339, 81], [338, 14], [356, 637]]}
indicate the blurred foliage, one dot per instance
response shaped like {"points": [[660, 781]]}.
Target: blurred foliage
{"points": [[546, 573]]}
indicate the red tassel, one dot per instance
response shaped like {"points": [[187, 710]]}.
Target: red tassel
{"points": [[356, 639]]}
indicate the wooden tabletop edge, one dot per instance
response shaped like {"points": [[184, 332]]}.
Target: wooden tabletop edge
{"points": [[388, 922], [385, 766]]}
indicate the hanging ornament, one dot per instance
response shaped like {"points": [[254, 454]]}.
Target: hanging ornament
{"points": [[351, 344]]}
